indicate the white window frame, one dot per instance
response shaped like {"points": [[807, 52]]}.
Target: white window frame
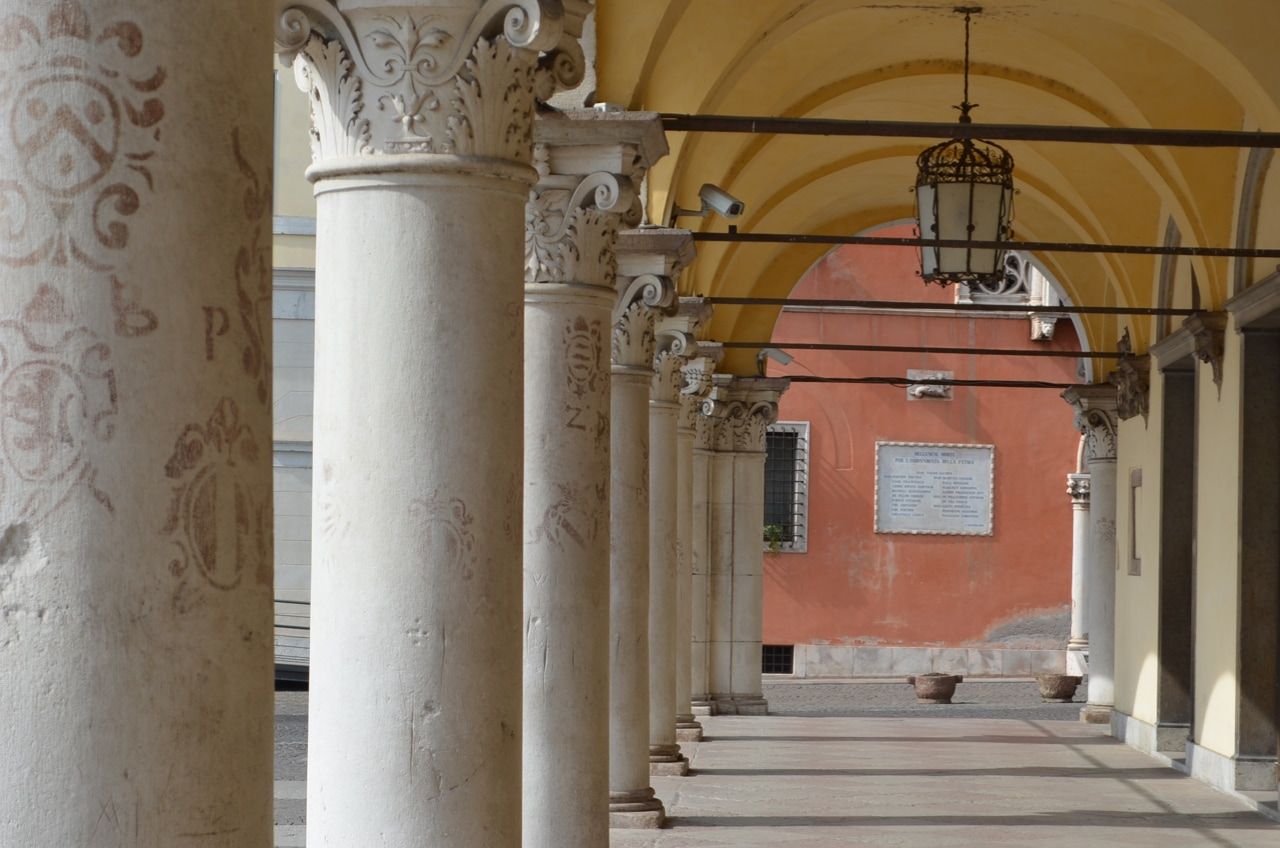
{"points": [[800, 543]]}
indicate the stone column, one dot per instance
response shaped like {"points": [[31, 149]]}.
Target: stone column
{"points": [[589, 164], [1078, 643], [422, 117], [642, 295], [1096, 407], [700, 563], [135, 428], [697, 386], [676, 342], [737, 597]]}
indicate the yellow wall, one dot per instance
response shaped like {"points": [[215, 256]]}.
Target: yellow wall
{"points": [[293, 196], [1217, 578], [1137, 596]]}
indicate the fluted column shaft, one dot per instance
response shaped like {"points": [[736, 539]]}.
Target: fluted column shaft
{"points": [[1078, 643], [421, 177], [135, 458], [586, 188]]}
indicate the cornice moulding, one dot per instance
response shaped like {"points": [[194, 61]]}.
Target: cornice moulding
{"points": [[1258, 305], [1173, 351], [587, 140]]}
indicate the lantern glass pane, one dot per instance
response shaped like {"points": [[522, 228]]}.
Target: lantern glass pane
{"points": [[926, 198], [953, 223], [988, 208]]}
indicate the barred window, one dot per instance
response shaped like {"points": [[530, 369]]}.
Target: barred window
{"points": [[777, 659], [786, 486]]}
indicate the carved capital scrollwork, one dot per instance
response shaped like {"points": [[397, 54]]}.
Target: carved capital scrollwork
{"points": [[1099, 429], [1078, 487], [1095, 416], [393, 79], [642, 299], [571, 226]]}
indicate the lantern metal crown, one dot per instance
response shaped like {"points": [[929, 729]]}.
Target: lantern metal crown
{"points": [[964, 192]]}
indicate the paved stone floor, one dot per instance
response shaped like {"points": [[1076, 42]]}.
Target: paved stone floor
{"points": [[885, 773]]}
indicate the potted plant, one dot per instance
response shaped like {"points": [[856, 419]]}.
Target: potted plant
{"points": [[1058, 688], [935, 687], [773, 537]]}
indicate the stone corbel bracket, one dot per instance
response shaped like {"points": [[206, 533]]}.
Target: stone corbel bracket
{"points": [[1132, 379], [1209, 329]]}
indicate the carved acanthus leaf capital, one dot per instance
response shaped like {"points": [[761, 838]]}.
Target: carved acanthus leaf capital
{"points": [[1078, 487], [571, 226], [642, 299], [1095, 416], [395, 79]]}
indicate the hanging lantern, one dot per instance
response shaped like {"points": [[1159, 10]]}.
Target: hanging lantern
{"points": [[964, 192]]}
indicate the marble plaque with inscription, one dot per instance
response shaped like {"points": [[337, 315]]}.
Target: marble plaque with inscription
{"points": [[934, 489]]}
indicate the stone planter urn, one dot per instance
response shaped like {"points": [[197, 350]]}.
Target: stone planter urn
{"points": [[1058, 688], [934, 687]]}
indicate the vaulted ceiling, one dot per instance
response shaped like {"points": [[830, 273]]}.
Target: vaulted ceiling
{"points": [[1121, 63]]}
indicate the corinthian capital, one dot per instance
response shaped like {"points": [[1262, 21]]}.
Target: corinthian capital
{"points": [[751, 406], [589, 165], [1078, 487], [423, 77], [1095, 408], [697, 393], [642, 299]]}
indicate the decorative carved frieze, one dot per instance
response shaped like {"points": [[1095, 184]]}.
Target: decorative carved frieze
{"points": [[571, 225], [642, 299], [446, 80], [1078, 487], [1209, 329]]}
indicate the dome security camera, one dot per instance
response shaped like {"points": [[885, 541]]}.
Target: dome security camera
{"points": [[721, 201]]}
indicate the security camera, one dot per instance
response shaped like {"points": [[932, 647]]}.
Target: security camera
{"points": [[721, 201], [714, 199], [776, 354]]}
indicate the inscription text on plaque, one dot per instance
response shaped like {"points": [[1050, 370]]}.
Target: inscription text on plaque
{"points": [[934, 489]]}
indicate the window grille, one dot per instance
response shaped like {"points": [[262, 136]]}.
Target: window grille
{"points": [[786, 486], [778, 659]]}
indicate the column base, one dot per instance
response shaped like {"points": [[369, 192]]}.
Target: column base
{"points": [[703, 708], [1095, 714], [638, 810], [741, 706], [687, 729], [667, 761]]}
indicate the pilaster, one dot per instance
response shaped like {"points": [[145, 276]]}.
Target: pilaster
{"points": [[750, 405]]}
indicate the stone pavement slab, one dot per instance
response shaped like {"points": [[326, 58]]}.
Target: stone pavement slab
{"points": [[824, 782]]}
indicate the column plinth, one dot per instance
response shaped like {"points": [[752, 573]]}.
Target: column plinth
{"points": [[1096, 407], [135, 378], [422, 135], [572, 220]]}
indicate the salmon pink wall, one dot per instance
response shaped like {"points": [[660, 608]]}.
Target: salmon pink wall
{"points": [[856, 586]]}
